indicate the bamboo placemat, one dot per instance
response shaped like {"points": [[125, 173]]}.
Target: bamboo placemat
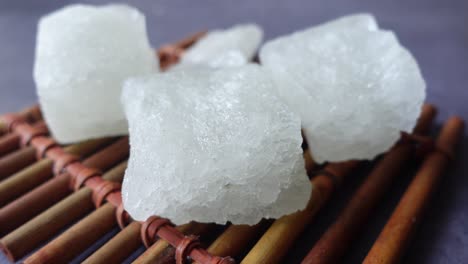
{"points": [[56, 201]]}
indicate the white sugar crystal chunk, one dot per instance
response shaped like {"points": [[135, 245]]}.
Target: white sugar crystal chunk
{"points": [[361, 21], [224, 48], [83, 54], [354, 86], [212, 146]]}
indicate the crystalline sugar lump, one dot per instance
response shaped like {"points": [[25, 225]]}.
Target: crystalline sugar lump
{"points": [[354, 86], [222, 48], [83, 54], [212, 146]]}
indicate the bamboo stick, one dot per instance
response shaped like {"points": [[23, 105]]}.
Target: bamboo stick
{"points": [[39, 172], [16, 161], [397, 233], [119, 247], [154, 253], [29, 205], [235, 238], [77, 238], [337, 238], [55, 189], [170, 54], [44, 226], [9, 143], [25, 180], [190, 40], [279, 237]]}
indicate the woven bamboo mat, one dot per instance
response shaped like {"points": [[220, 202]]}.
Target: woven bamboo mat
{"points": [[62, 204]]}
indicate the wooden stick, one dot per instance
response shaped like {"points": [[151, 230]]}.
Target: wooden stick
{"points": [[44, 226], [337, 238], [119, 247], [16, 161], [55, 189], [275, 243], [39, 172], [154, 253], [77, 238], [398, 231]]}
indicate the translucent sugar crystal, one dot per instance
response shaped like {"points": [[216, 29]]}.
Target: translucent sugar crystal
{"points": [[212, 146], [220, 48], [83, 54], [354, 86]]}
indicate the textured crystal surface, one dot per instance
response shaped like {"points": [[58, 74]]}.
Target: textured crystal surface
{"points": [[212, 146], [83, 54], [223, 48], [354, 86]]}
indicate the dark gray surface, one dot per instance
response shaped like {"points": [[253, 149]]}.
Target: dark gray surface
{"points": [[435, 31]]}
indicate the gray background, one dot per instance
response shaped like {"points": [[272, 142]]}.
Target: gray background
{"points": [[435, 31]]}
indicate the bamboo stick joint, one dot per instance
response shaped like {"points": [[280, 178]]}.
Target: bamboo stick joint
{"points": [[102, 190], [150, 227], [80, 174], [426, 145], [42, 145], [185, 246], [28, 133], [11, 120]]}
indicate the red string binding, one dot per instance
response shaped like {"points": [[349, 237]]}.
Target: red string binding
{"points": [[123, 218], [28, 132], [103, 190], [42, 145], [11, 120], [80, 174], [185, 246], [150, 227]]}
